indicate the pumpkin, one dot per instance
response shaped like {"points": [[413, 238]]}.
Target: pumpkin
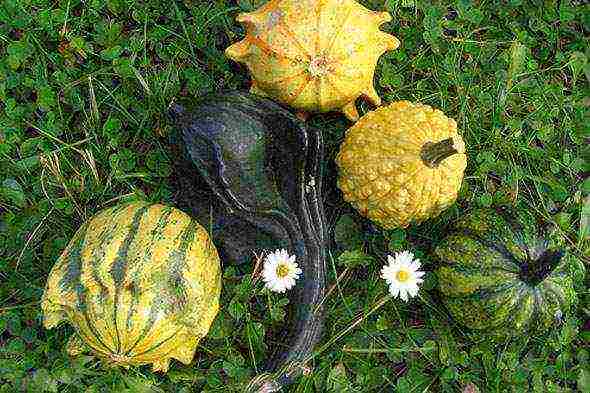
{"points": [[401, 163], [139, 283], [499, 272], [314, 55], [261, 167]]}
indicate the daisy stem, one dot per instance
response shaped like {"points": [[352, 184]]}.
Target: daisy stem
{"points": [[430, 306], [376, 350], [357, 322], [251, 347], [331, 289]]}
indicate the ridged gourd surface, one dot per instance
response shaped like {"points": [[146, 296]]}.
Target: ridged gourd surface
{"points": [[481, 279], [382, 174], [139, 283], [313, 55]]}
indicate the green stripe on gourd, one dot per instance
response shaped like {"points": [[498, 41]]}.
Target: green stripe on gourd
{"points": [[119, 266], [101, 307], [155, 235], [151, 320], [461, 249], [175, 288], [71, 285], [497, 273], [158, 344]]}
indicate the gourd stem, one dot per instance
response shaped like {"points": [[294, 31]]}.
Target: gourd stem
{"points": [[434, 153], [535, 271]]}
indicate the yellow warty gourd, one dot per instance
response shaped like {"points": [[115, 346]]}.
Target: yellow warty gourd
{"points": [[314, 55], [139, 283], [401, 163]]}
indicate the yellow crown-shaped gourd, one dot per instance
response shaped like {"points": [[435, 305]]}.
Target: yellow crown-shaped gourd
{"points": [[314, 55]]}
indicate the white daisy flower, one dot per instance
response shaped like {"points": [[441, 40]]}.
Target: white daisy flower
{"points": [[280, 271], [403, 275]]}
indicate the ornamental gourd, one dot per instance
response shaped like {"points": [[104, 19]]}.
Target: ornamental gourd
{"points": [[499, 272], [262, 168], [401, 163], [314, 55], [139, 283]]}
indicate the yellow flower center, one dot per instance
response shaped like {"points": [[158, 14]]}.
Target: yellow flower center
{"points": [[402, 276], [282, 270]]}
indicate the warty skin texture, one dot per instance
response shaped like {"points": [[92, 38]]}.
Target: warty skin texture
{"points": [[382, 171]]}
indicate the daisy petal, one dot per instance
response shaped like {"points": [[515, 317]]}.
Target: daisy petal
{"points": [[280, 271], [394, 290], [404, 295]]}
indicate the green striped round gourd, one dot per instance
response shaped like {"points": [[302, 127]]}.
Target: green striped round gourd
{"points": [[140, 284], [500, 273]]}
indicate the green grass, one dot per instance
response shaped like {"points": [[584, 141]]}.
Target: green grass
{"points": [[84, 88]]}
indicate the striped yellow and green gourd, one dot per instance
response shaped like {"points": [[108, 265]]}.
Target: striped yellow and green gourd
{"points": [[140, 284], [501, 273]]}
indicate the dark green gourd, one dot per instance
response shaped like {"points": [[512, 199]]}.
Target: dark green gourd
{"points": [[501, 273], [261, 167]]}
